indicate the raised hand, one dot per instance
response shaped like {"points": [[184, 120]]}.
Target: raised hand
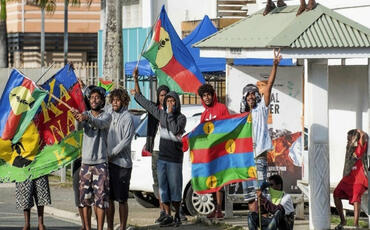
{"points": [[277, 57]]}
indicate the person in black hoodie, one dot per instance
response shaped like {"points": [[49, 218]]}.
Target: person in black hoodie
{"points": [[169, 165], [151, 133]]}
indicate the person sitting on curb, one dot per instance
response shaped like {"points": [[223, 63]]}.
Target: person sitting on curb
{"points": [[277, 212]]}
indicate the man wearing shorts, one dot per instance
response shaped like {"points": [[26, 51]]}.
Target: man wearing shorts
{"points": [[120, 135], [26, 192], [94, 177]]}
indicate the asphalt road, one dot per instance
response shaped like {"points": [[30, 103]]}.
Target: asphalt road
{"points": [[11, 218]]}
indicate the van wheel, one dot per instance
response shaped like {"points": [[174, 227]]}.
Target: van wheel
{"points": [[147, 200], [198, 204]]}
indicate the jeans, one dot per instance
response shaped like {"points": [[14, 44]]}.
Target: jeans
{"points": [[261, 165], [268, 223], [169, 181]]}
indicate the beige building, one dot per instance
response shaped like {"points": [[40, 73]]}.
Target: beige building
{"points": [[24, 27]]}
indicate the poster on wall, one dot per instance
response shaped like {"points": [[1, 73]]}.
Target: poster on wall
{"points": [[285, 117]]}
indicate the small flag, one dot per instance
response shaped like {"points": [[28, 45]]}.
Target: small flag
{"points": [[171, 60], [106, 84], [19, 103], [221, 152]]}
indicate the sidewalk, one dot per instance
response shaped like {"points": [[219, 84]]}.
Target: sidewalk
{"points": [[63, 207]]}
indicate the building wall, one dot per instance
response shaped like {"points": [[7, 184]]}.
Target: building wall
{"points": [[348, 105], [26, 18]]}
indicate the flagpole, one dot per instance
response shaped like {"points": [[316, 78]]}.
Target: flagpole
{"points": [[57, 99], [146, 39], [45, 72]]}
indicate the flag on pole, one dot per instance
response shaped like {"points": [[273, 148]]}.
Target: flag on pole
{"points": [[171, 60], [106, 84], [18, 105], [221, 152], [51, 140]]}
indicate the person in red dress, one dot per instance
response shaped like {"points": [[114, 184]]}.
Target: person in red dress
{"points": [[354, 181]]}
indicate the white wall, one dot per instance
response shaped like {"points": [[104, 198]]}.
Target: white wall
{"points": [[348, 103]]}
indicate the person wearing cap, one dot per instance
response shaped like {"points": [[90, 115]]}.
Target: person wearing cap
{"points": [[258, 104], [94, 178]]}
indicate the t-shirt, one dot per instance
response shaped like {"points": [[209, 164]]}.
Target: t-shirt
{"points": [[287, 203], [261, 138]]}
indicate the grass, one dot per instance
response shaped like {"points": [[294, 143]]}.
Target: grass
{"points": [[350, 221]]}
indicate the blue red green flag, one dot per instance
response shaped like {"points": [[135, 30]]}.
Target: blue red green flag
{"points": [[19, 103], [221, 152], [171, 61]]}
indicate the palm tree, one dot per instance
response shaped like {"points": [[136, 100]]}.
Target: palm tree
{"points": [[3, 36], [113, 50]]}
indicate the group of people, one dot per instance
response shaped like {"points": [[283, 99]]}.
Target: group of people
{"points": [[103, 174]]}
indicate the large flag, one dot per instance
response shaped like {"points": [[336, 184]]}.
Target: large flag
{"points": [[18, 105], [221, 152], [171, 60], [50, 141]]}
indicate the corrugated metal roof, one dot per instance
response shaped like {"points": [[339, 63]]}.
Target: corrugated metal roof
{"points": [[318, 28]]}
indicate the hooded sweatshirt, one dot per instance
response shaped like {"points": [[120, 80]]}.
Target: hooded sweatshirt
{"points": [[214, 111], [153, 122], [120, 135], [172, 127]]}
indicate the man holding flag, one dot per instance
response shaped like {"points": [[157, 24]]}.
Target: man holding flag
{"points": [[212, 110]]}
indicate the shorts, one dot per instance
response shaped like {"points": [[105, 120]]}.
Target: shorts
{"points": [[169, 181], [94, 185], [119, 179], [76, 181], [28, 190], [349, 192]]}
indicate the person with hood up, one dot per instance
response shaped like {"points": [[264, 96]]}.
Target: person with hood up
{"points": [[169, 165], [212, 110], [149, 146]]}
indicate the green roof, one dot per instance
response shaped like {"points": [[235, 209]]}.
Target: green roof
{"points": [[318, 28]]}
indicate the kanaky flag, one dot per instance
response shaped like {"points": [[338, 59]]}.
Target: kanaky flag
{"points": [[171, 60], [18, 105], [106, 84], [221, 152]]}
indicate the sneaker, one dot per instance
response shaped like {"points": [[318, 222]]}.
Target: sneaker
{"points": [[219, 215], [162, 215], [177, 221], [167, 221], [212, 214]]}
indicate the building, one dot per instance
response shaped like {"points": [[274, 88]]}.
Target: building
{"points": [[24, 27]]}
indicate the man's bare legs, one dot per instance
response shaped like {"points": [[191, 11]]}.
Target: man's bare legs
{"points": [[40, 217], [219, 200], [27, 216], [100, 214], [270, 5], [110, 215], [86, 211], [123, 215], [80, 211], [310, 6]]}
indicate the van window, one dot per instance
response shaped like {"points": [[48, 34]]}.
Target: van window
{"points": [[141, 130]]}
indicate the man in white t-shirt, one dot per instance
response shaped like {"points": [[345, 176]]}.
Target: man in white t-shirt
{"points": [[257, 103], [277, 210]]}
